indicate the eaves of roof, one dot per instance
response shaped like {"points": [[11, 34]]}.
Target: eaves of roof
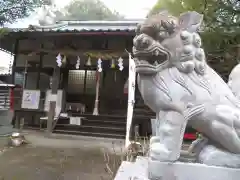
{"points": [[83, 26], [4, 71]]}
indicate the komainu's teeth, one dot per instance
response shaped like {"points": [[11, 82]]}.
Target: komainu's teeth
{"points": [[156, 53], [155, 63]]}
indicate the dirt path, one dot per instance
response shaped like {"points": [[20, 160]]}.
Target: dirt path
{"points": [[59, 157], [56, 160], [41, 163]]}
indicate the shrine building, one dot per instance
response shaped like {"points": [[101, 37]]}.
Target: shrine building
{"points": [[85, 63]]}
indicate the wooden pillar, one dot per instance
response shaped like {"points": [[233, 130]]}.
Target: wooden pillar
{"points": [[39, 67], [25, 74], [96, 111], [64, 86], [65, 79], [15, 121], [52, 105], [85, 82], [16, 45]]}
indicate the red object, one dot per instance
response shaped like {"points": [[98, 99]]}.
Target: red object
{"points": [[125, 89], [190, 136]]}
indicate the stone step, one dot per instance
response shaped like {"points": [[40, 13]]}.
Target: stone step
{"points": [[99, 122], [108, 126], [92, 129], [105, 123], [92, 134]]}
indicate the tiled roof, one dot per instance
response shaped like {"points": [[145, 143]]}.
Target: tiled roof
{"points": [[85, 26], [80, 27]]}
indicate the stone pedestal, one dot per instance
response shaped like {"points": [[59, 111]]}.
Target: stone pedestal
{"points": [[144, 169]]}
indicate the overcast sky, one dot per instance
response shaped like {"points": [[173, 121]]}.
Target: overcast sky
{"points": [[131, 9], [128, 8]]}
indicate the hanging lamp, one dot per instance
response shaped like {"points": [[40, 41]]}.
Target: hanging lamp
{"points": [[89, 63], [113, 64], [78, 63]]}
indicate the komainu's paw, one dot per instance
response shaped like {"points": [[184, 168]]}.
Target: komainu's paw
{"points": [[159, 152], [154, 139], [213, 156]]}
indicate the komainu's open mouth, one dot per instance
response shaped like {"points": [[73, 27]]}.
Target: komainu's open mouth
{"points": [[149, 54]]}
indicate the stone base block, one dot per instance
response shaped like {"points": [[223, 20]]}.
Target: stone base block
{"points": [[189, 171], [145, 169], [133, 171]]}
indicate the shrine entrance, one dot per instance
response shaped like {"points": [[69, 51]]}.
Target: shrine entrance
{"points": [[82, 71], [81, 89], [86, 84]]}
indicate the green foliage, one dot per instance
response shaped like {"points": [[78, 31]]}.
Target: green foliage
{"points": [[3, 32], [221, 20], [87, 10], [11, 10]]}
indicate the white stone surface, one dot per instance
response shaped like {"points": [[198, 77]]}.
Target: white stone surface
{"points": [[124, 170], [212, 156], [233, 82], [132, 171], [173, 171], [190, 171]]}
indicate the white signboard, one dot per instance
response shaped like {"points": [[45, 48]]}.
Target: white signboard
{"points": [[131, 97], [75, 121], [30, 99]]}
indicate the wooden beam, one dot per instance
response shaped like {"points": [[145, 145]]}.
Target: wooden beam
{"points": [[72, 33], [77, 52], [46, 70]]}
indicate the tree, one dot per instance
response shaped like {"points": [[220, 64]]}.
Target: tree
{"points": [[11, 10], [221, 19], [87, 10]]}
